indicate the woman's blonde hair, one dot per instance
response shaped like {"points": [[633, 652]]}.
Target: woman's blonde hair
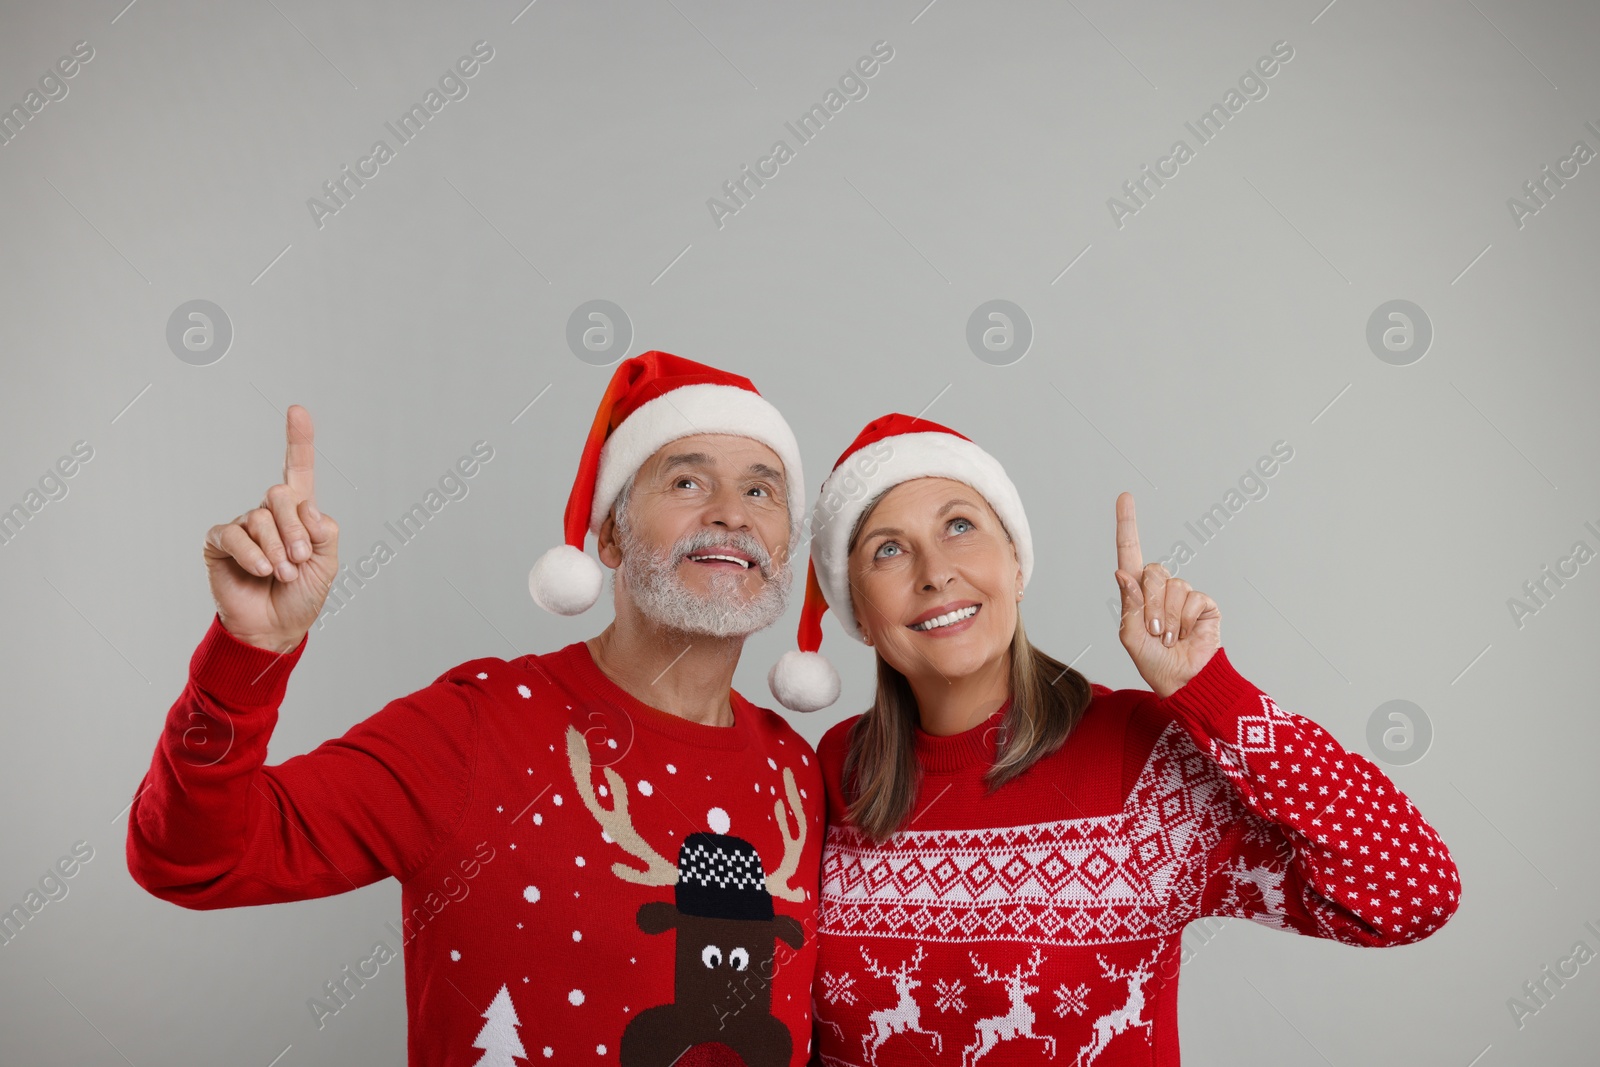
{"points": [[881, 774]]}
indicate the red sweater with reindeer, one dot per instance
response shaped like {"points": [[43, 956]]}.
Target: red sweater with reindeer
{"points": [[1044, 921], [585, 879]]}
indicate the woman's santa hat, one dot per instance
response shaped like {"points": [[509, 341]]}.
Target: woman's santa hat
{"points": [[652, 399], [890, 450]]}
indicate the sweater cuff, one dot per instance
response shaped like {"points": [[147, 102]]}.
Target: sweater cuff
{"points": [[238, 673], [1216, 697]]}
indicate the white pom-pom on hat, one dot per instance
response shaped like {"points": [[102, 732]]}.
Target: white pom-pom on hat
{"points": [[803, 681], [566, 581]]}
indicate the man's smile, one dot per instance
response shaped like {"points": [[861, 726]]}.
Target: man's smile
{"points": [[725, 559]]}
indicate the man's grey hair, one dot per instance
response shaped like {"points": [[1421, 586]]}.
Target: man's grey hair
{"points": [[619, 512], [619, 507]]}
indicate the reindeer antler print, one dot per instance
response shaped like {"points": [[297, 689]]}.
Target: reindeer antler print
{"points": [[778, 880], [616, 822]]}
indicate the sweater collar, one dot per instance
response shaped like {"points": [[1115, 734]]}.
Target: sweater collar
{"points": [[699, 735], [974, 747]]}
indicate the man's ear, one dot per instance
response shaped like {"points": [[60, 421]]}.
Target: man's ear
{"points": [[606, 543]]}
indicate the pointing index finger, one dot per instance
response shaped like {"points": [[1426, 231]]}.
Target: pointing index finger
{"points": [[299, 459], [1129, 559]]}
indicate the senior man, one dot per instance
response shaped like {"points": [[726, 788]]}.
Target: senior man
{"points": [[607, 855]]}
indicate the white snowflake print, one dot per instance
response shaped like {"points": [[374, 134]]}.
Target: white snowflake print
{"points": [[1075, 1000], [948, 994], [839, 988]]}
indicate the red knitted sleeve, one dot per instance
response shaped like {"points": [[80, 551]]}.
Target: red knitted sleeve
{"points": [[1328, 845], [212, 827]]}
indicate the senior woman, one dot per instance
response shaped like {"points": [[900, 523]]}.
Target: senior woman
{"points": [[1012, 851]]}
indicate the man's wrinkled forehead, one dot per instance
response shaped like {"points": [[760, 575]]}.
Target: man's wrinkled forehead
{"points": [[699, 460]]}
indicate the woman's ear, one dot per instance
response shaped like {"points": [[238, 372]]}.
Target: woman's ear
{"points": [[861, 627]]}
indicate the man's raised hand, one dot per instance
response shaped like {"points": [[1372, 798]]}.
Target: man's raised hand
{"points": [[271, 568], [1169, 630]]}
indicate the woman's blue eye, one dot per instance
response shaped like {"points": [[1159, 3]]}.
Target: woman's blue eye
{"points": [[886, 545], [963, 522]]}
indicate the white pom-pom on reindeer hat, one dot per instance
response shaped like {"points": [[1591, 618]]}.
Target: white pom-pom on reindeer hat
{"points": [[652, 399], [889, 450]]}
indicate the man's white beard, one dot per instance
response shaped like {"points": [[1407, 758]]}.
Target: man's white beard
{"points": [[725, 611]]}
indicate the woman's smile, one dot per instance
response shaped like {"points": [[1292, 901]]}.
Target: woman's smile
{"points": [[946, 620]]}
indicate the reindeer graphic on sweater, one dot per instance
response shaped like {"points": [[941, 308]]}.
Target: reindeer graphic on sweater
{"points": [[905, 1017], [1128, 1017], [1268, 882], [726, 927], [1017, 1022]]}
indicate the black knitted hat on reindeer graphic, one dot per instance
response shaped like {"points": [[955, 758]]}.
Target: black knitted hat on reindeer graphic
{"points": [[720, 877]]}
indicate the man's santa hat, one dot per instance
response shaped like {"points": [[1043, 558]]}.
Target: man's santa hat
{"points": [[890, 450], [652, 399]]}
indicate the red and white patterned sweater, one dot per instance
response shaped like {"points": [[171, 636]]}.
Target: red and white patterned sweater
{"points": [[1044, 921]]}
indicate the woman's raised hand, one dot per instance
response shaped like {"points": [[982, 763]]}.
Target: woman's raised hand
{"points": [[271, 568], [1169, 629]]}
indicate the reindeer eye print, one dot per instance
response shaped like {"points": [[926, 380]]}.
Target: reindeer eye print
{"points": [[711, 956], [738, 959]]}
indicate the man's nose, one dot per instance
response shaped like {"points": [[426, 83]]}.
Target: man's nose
{"points": [[728, 508]]}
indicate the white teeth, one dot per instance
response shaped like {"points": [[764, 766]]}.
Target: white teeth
{"points": [[946, 620], [731, 559]]}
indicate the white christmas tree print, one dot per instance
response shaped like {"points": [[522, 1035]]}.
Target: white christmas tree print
{"points": [[498, 1038]]}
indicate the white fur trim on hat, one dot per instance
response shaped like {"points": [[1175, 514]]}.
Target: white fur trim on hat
{"points": [[912, 455], [566, 581], [696, 409]]}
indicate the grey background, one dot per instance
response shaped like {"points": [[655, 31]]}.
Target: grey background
{"points": [[1228, 314]]}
